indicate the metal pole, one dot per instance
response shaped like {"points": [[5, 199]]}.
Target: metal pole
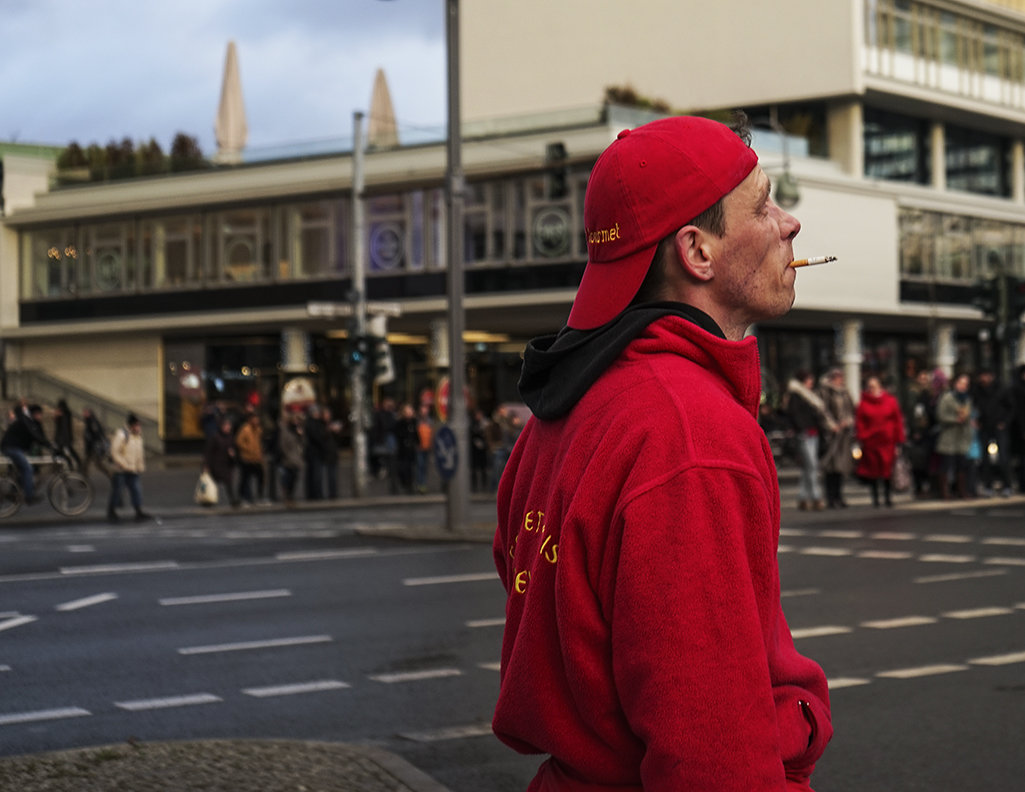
{"points": [[458, 485], [357, 371]]}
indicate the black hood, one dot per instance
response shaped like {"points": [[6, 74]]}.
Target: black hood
{"points": [[559, 368]]}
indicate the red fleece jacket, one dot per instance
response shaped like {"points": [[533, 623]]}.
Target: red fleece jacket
{"points": [[645, 647]]}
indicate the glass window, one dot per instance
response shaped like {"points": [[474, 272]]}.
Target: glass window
{"points": [[169, 252], [315, 249], [976, 162], [244, 245], [917, 236], [108, 264], [950, 42], [896, 147], [386, 226], [954, 248], [47, 255]]}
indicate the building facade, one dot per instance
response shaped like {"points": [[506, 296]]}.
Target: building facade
{"points": [[902, 121]]}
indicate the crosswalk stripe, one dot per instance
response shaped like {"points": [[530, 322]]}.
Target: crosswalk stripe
{"points": [[42, 715], [296, 688], [921, 671]]}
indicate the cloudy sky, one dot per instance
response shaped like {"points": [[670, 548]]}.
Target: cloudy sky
{"points": [[93, 71]]}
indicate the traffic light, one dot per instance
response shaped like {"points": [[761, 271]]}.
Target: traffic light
{"points": [[557, 175], [382, 368], [1015, 299], [986, 297], [359, 349]]}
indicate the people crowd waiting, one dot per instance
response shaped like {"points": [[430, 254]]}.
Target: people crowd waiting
{"points": [[960, 436]]}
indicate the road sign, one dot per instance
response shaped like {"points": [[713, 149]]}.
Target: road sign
{"points": [[446, 452]]}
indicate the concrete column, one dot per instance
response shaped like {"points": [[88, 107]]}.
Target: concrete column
{"points": [[939, 156], [945, 351], [844, 123], [1018, 171], [851, 356], [295, 350]]}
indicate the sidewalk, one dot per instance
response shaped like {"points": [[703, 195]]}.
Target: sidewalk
{"points": [[216, 766]]}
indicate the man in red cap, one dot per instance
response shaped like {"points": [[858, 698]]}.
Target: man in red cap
{"points": [[638, 518]]}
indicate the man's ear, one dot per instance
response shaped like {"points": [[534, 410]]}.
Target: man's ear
{"points": [[694, 249]]}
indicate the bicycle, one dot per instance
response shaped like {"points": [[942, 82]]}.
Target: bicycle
{"points": [[68, 491]]}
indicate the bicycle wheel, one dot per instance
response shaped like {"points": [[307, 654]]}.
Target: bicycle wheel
{"points": [[10, 497], [70, 493]]}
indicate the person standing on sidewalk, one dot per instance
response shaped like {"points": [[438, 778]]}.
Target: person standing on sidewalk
{"points": [[639, 515], [128, 461], [879, 426], [807, 413], [220, 458], [836, 460], [249, 442], [954, 418]]}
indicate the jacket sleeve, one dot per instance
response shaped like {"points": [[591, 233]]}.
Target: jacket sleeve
{"points": [[118, 450], [709, 677]]}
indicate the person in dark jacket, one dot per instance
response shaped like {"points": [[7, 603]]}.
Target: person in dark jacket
{"points": [[317, 451], [407, 441], [95, 442], [64, 436], [23, 436], [220, 458], [995, 416]]}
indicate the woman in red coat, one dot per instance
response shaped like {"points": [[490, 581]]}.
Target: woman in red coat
{"points": [[880, 429]]}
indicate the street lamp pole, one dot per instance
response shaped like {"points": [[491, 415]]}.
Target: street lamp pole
{"points": [[458, 485]]}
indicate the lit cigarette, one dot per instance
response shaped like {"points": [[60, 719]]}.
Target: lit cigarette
{"points": [[809, 261]]}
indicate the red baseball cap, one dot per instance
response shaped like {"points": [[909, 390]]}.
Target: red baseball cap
{"points": [[650, 182]]}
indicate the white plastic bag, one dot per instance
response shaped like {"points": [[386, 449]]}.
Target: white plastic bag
{"points": [[206, 490]]}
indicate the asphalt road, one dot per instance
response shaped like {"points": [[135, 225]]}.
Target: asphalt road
{"points": [[303, 626]]}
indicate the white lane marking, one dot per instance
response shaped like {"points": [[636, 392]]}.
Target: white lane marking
{"points": [[169, 702], [416, 676], [490, 666], [886, 555], [997, 660], [41, 715], [296, 688], [905, 621], [486, 622], [16, 621], [450, 733], [949, 538], [470, 577], [826, 551], [922, 671], [86, 602], [949, 578], [246, 645], [808, 592], [977, 613], [1012, 541], [893, 536], [846, 682], [5, 668], [841, 534], [944, 558], [205, 599], [997, 561], [817, 632], [792, 532], [106, 569], [326, 555], [82, 548]]}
